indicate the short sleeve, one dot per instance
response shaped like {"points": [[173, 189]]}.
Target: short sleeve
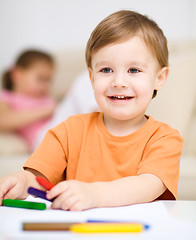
{"points": [[162, 158], [50, 156]]}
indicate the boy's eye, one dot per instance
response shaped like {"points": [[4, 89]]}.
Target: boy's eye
{"points": [[133, 70], [106, 70]]}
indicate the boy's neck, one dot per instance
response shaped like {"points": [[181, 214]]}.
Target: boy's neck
{"points": [[123, 127]]}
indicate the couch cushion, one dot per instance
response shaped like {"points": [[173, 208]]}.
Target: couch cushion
{"points": [[11, 143]]}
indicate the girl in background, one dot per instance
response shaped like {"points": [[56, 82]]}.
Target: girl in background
{"points": [[25, 103]]}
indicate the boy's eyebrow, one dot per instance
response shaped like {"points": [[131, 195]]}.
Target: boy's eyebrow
{"points": [[98, 64], [131, 63], [139, 63]]}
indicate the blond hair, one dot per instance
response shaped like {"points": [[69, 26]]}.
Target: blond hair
{"points": [[121, 26]]}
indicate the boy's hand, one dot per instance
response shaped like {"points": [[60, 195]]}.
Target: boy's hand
{"points": [[14, 186], [73, 195]]}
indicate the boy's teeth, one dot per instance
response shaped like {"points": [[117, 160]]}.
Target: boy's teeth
{"points": [[119, 96]]}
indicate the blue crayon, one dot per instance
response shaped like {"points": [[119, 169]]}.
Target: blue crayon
{"points": [[38, 193]]}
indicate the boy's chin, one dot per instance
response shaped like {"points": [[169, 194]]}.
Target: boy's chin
{"points": [[120, 117]]}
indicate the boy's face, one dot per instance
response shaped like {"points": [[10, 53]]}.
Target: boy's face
{"points": [[124, 77]]}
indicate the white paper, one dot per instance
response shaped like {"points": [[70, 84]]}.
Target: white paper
{"points": [[155, 214]]}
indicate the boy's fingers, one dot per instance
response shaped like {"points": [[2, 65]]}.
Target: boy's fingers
{"points": [[12, 193], [4, 189], [64, 201], [57, 189]]}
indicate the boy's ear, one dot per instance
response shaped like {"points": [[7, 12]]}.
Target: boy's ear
{"points": [[90, 72], [162, 78]]}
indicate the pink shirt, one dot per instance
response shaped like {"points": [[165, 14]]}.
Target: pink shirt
{"points": [[21, 102]]}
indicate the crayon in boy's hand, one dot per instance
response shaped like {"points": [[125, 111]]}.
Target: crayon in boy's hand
{"points": [[44, 183], [39, 193]]}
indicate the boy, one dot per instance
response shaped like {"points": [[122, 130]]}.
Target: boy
{"points": [[119, 156]]}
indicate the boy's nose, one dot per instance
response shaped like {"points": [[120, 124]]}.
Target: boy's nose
{"points": [[120, 82]]}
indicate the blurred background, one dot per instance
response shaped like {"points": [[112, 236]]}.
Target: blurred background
{"points": [[62, 28], [55, 25], [61, 25]]}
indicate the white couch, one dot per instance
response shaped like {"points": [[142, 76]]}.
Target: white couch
{"points": [[175, 105]]}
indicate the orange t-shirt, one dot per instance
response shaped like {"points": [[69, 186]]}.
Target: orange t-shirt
{"points": [[81, 148]]}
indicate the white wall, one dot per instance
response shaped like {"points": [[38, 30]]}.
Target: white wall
{"points": [[61, 24]]}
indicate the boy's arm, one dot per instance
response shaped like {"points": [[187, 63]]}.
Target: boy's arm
{"points": [[76, 195], [129, 190], [11, 120]]}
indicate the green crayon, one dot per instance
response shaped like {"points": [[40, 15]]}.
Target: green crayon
{"points": [[23, 204]]}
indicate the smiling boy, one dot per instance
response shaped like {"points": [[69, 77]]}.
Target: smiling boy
{"points": [[119, 156], [124, 82]]}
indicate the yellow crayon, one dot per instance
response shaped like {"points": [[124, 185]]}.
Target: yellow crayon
{"points": [[107, 228]]}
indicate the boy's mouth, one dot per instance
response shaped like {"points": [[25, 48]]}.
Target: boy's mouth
{"points": [[121, 97]]}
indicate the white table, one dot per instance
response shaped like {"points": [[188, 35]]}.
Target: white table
{"points": [[167, 220], [185, 210]]}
